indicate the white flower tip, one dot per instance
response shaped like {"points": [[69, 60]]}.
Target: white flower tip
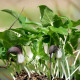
{"points": [[20, 58], [59, 53], [37, 57]]}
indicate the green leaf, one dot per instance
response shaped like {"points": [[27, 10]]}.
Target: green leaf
{"points": [[55, 39], [38, 50], [4, 55], [73, 38], [46, 38], [21, 19], [60, 30], [68, 49], [46, 16], [10, 35], [20, 31], [43, 30], [33, 48], [76, 23], [66, 22], [26, 29], [57, 21], [13, 13], [30, 29], [74, 41], [31, 22], [8, 38], [22, 41], [77, 75]]}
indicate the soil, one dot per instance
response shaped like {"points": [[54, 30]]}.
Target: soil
{"points": [[34, 76]]}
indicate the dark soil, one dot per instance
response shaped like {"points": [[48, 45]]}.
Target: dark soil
{"points": [[35, 76]]}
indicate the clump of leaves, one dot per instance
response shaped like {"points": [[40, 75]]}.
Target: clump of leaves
{"points": [[53, 30]]}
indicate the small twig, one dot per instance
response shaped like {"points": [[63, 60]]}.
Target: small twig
{"points": [[16, 20]]}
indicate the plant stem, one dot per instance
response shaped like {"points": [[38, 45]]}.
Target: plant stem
{"points": [[74, 72], [50, 66], [76, 58], [13, 76], [63, 70], [57, 72], [75, 51], [56, 65], [68, 67], [27, 71]]}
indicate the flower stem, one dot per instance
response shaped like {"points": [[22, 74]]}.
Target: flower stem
{"points": [[68, 67], [27, 71], [50, 66], [13, 76], [76, 58], [63, 70]]}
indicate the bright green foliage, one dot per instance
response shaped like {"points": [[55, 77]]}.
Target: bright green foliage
{"points": [[68, 49], [46, 16], [75, 23], [53, 30], [60, 30]]}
